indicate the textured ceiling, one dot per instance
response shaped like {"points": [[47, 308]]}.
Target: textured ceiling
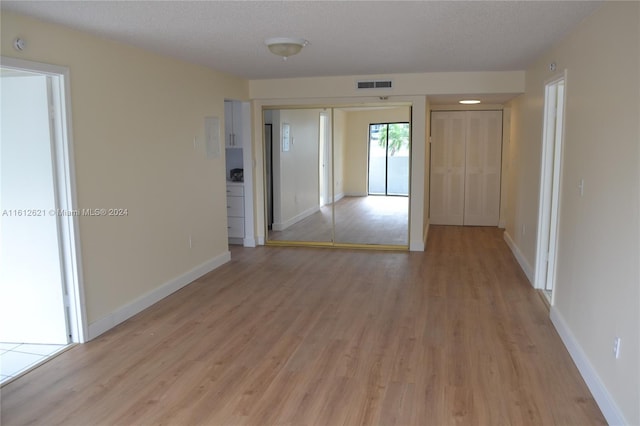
{"points": [[346, 37]]}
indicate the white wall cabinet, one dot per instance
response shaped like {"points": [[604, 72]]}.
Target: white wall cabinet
{"points": [[232, 124], [235, 211], [466, 159]]}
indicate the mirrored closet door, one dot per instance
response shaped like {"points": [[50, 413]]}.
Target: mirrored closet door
{"points": [[338, 175]]}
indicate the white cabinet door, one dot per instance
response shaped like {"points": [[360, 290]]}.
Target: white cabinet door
{"points": [[235, 206], [232, 124], [448, 136], [483, 167]]}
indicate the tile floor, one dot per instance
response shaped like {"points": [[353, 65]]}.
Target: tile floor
{"points": [[16, 358]]}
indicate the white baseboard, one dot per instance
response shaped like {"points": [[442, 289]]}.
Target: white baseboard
{"points": [[260, 240], [297, 218], [356, 194], [338, 197], [526, 268], [603, 398], [249, 242], [120, 315]]}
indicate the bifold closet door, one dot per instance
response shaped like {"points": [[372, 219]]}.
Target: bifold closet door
{"points": [[466, 157], [448, 140], [483, 168]]}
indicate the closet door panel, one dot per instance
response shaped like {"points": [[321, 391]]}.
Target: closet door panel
{"points": [[483, 167], [447, 168]]}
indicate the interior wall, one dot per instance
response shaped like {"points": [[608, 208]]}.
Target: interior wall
{"points": [[357, 141], [597, 287], [513, 214], [138, 135]]}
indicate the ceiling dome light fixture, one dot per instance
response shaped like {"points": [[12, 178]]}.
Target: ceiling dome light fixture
{"points": [[285, 46], [469, 101]]}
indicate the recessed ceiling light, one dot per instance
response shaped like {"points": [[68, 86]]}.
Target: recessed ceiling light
{"points": [[469, 101]]}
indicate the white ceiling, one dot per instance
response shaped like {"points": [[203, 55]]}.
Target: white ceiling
{"points": [[346, 37]]}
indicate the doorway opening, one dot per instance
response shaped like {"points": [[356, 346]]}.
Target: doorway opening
{"points": [[389, 159], [551, 169], [42, 311]]}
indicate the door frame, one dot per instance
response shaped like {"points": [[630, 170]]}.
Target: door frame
{"points": [[66, 194], [550, 184]]}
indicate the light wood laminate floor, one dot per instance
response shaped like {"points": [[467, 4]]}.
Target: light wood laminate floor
{"points": [[304, 336], [374, 219]]}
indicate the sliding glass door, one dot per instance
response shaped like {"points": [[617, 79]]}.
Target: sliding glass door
{"points": [[389, 159]]}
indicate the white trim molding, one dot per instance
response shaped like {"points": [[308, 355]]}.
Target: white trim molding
{"points": [[522, 261], [122, 314], [605, 401]]}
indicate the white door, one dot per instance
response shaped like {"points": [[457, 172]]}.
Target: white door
{"points": [[448, 136], [31, 275], [483, 168]]}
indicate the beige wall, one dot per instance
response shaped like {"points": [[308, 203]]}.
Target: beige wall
{"points": [[356, 147], [597, 295], [135, 117]]}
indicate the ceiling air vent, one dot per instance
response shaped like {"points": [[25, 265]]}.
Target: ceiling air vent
{"points": [[377, 84]]}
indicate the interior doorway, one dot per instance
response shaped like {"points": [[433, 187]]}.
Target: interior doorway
{"points": [[551, 169], [40, 289]]}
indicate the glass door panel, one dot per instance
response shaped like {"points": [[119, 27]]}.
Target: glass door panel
{"points": [[378, 159], [398, 159]]}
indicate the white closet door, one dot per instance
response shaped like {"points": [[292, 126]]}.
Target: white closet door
{"points": [[447, 168], [483, 166]]}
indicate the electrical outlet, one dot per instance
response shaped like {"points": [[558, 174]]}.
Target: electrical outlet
{"points": [[616, 347], [524, 229], [190, 242]]}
